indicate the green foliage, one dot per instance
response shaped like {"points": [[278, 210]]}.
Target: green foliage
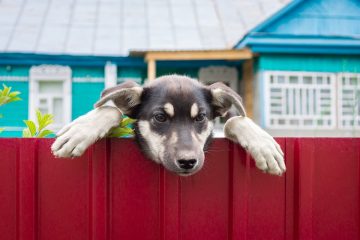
{"points": [[124, 129], [39, 131], [7, 96]]}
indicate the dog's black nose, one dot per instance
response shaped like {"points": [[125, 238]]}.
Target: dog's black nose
{"points": [[187, 164]]}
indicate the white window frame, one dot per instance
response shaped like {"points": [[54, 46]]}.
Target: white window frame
{"points": [[300, 118], [110, 75], [48, 73], [352, 89]]}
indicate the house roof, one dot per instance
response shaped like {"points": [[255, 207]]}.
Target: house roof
{"points": [[114, 27], [309, 26]]}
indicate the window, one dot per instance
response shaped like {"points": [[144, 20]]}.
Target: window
{"points": [[50, 92], [306, 100], [349, 100], [226, 75]]}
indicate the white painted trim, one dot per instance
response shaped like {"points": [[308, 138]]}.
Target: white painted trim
{"points": [[89, 79], [110, 75], [14, 78], [50, 73], [12, 128], [265, 76], [287, 97], [352, 122], [134, 79]]}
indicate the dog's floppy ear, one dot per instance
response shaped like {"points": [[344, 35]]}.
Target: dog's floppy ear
{"points": [[223, 98], [126, 96]]}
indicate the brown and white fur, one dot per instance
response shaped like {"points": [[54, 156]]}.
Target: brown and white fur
{"points": [[174, 122]]}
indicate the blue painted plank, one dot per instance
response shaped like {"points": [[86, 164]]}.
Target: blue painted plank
{"points": [[317, 63]]}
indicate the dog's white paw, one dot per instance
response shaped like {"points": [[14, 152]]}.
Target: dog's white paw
{"points": [[73, 139], [262, 147]]}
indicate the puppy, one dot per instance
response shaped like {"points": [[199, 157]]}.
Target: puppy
{"points": [[174, 122]]}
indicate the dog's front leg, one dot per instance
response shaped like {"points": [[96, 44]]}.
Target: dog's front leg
{"points": [[73, 139], [262, 147]]}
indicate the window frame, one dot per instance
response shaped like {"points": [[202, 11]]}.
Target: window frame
{"points": [[267, 100], [48, 73], [340, 88]]}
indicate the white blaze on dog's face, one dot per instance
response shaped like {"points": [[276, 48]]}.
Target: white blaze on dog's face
{"points": [[175, 123], [174, 118]]}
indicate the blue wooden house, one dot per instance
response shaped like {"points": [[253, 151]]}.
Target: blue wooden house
{"points": [[60, 54], [296, 64], [307, 69]]}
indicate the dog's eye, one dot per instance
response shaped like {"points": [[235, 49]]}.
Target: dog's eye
{"points": [[160, 117], [200, 117]]}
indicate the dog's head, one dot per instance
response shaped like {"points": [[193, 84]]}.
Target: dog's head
{"points": [[174, 117]]}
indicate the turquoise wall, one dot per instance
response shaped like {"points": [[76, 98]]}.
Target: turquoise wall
{"points": [[86, 92], [137, 74], [9, 70], [14, 113], [87, 72], [84, 96], [315, 63]]}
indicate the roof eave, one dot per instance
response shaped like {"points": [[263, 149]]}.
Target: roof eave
{"points": [[17, 58], [259, 28], [305, 45]]}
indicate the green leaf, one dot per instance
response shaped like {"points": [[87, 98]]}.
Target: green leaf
{"points": [[6, 90], [26, 133], [14, 94], [6, 96], [121, 132], [38, 115], [44, 120], [14, 99], [45, 133], [4, 100], [39, 118], [31, 126], [126, 121]]}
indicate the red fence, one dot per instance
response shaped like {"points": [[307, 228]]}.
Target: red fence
{"points": [[114, 193]]}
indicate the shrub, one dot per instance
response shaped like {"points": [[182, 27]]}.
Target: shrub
{"points": [[7, 96], [33, 130]]}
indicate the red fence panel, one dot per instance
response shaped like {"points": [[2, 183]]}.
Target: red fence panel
{"points": [[113, 192]]}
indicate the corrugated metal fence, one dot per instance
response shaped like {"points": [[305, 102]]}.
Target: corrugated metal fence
{"points": [[114, 193]]}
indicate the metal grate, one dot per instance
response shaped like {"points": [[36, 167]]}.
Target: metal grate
{"points": [[305, 100], [349, 100]]}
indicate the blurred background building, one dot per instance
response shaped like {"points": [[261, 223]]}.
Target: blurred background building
{"points": [[296, 64]]}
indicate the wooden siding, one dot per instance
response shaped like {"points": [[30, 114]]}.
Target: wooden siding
{"points": [[319, 18], [313, 63]]}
